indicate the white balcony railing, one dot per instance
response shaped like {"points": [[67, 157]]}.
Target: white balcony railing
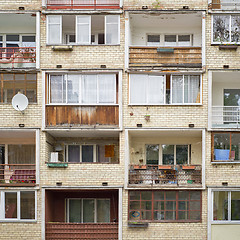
{"points": [[226, 4], [226, 116]]}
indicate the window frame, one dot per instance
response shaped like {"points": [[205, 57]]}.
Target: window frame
{"points": [[82, 209], [170, 102], [176, 201], [177, 39], [80, 78], [48, 42], [230, 31], [18, 219], [212, 148], [229, 191]]}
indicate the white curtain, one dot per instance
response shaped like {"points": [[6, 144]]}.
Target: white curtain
{"points": [[138, 88], [103, 210], [54, 29], [177, 89], [155, 89], [191, 88], [83, 29], [112, 29], [73, 88], [89, 89], [57, 89], [107, 88]]}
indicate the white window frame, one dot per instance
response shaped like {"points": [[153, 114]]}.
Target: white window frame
{"points": [[64, 101], [230, 29], [229, 206], [89, 30], [48, 34], [170, 103], [105, 30], [95, 207], [149, 44], [177, 42], [18, 219], [80, 155], [183, 75]]}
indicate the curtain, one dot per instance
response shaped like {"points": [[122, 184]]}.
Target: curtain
{"points": [[155, 89], [75, 207], [107, 88], [177, 89], [73, 153], [27, 202], [88, 210], [89, 89], [73, 88], [191, 88], [83, 29], [54, 29], [112, 29], [57, 89], [87, 153], [103, 210], [138, 88]]}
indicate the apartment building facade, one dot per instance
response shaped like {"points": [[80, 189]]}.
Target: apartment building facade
{"points": [[131, 131]]}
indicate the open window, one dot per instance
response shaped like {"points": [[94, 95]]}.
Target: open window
{"points": [[83, 29]]}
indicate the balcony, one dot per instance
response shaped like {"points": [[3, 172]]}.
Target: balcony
{"points": [[165, 40], [82, 4], [18, 57], [165, 57], [166, 175], [225, 5], [90, 231]]}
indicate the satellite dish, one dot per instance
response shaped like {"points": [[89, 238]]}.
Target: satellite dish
{"points": [[20, 102]]}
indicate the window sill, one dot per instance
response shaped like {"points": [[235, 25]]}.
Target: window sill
{"points": [[228, 47], [90, 163], [81, 105], [220, 222], [17, 221], [225, 162], [79, 45], [163, 105]]}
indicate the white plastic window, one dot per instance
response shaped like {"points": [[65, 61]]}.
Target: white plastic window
{"points": [[112, 29], [83, 29], [54, 29]]}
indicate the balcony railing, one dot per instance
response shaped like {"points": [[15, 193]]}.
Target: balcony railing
{"points": [[17, 57], [226, 116], [226, 4], [81, 4], [166, 175], [17, 174], [165, 57], [90, 231]]}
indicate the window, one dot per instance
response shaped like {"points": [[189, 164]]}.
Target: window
{"points": [[91, 153], [154, 90], [226, 206], [226, 146], [83, 89], [153, 40], [226, 29], [170, 154], [178, 40], [17, 40], [12, 83], [87, 210], [19, 205], [174, 206], [83, 29]]}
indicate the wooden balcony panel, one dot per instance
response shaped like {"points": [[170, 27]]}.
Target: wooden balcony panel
{"points": [[82, 115], [181, 57], [90, 231]]}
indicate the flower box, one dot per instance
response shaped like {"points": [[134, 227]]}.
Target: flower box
{"points": [[57, 164], [164, 167], [137, 224], [230, 47], [140, 167], [188, 167]]}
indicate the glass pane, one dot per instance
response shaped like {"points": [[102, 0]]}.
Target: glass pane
{"points": [[19, 77], [8, 76], [83, 29], [12, 38], [31, 76], [8, 91], [183, 195], [28, 38], [112, 35], [75, 210], [177, 89], [134, 215], [152, 152], [183, 38], [21, 154], [196, 195], [235, 28], [235, 148], [73, 89], [235, 205], [158, 215], [194, 215], [170, 215], [146, 205], [221, 146], [182, 154], [138, 88], [183, 205], [10, 205], [106, 85], [192, 89], [146, 195], [103, 210], [73, 153], [31, 91], [54, 36], [54, 19], [156, 89], [221, 28], [87, 153], [168, 154], [88, 210], [134, 195], [231, 97], [195, 205], [170, 205], [158, 195], [27, 202], [182, 215], [57, 89], [134, 205], [159, 205], [220, 206], [146, 215], [89, 88], [153, 38], [170, 195], [170, 40]]}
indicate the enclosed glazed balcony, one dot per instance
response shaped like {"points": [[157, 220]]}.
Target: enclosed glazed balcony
{"points": [[225, 4], [78, 214], [165, 40], [18, 41], [17, 158], [82, 100], [82, 4], [165, 159], [225, 100]]}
